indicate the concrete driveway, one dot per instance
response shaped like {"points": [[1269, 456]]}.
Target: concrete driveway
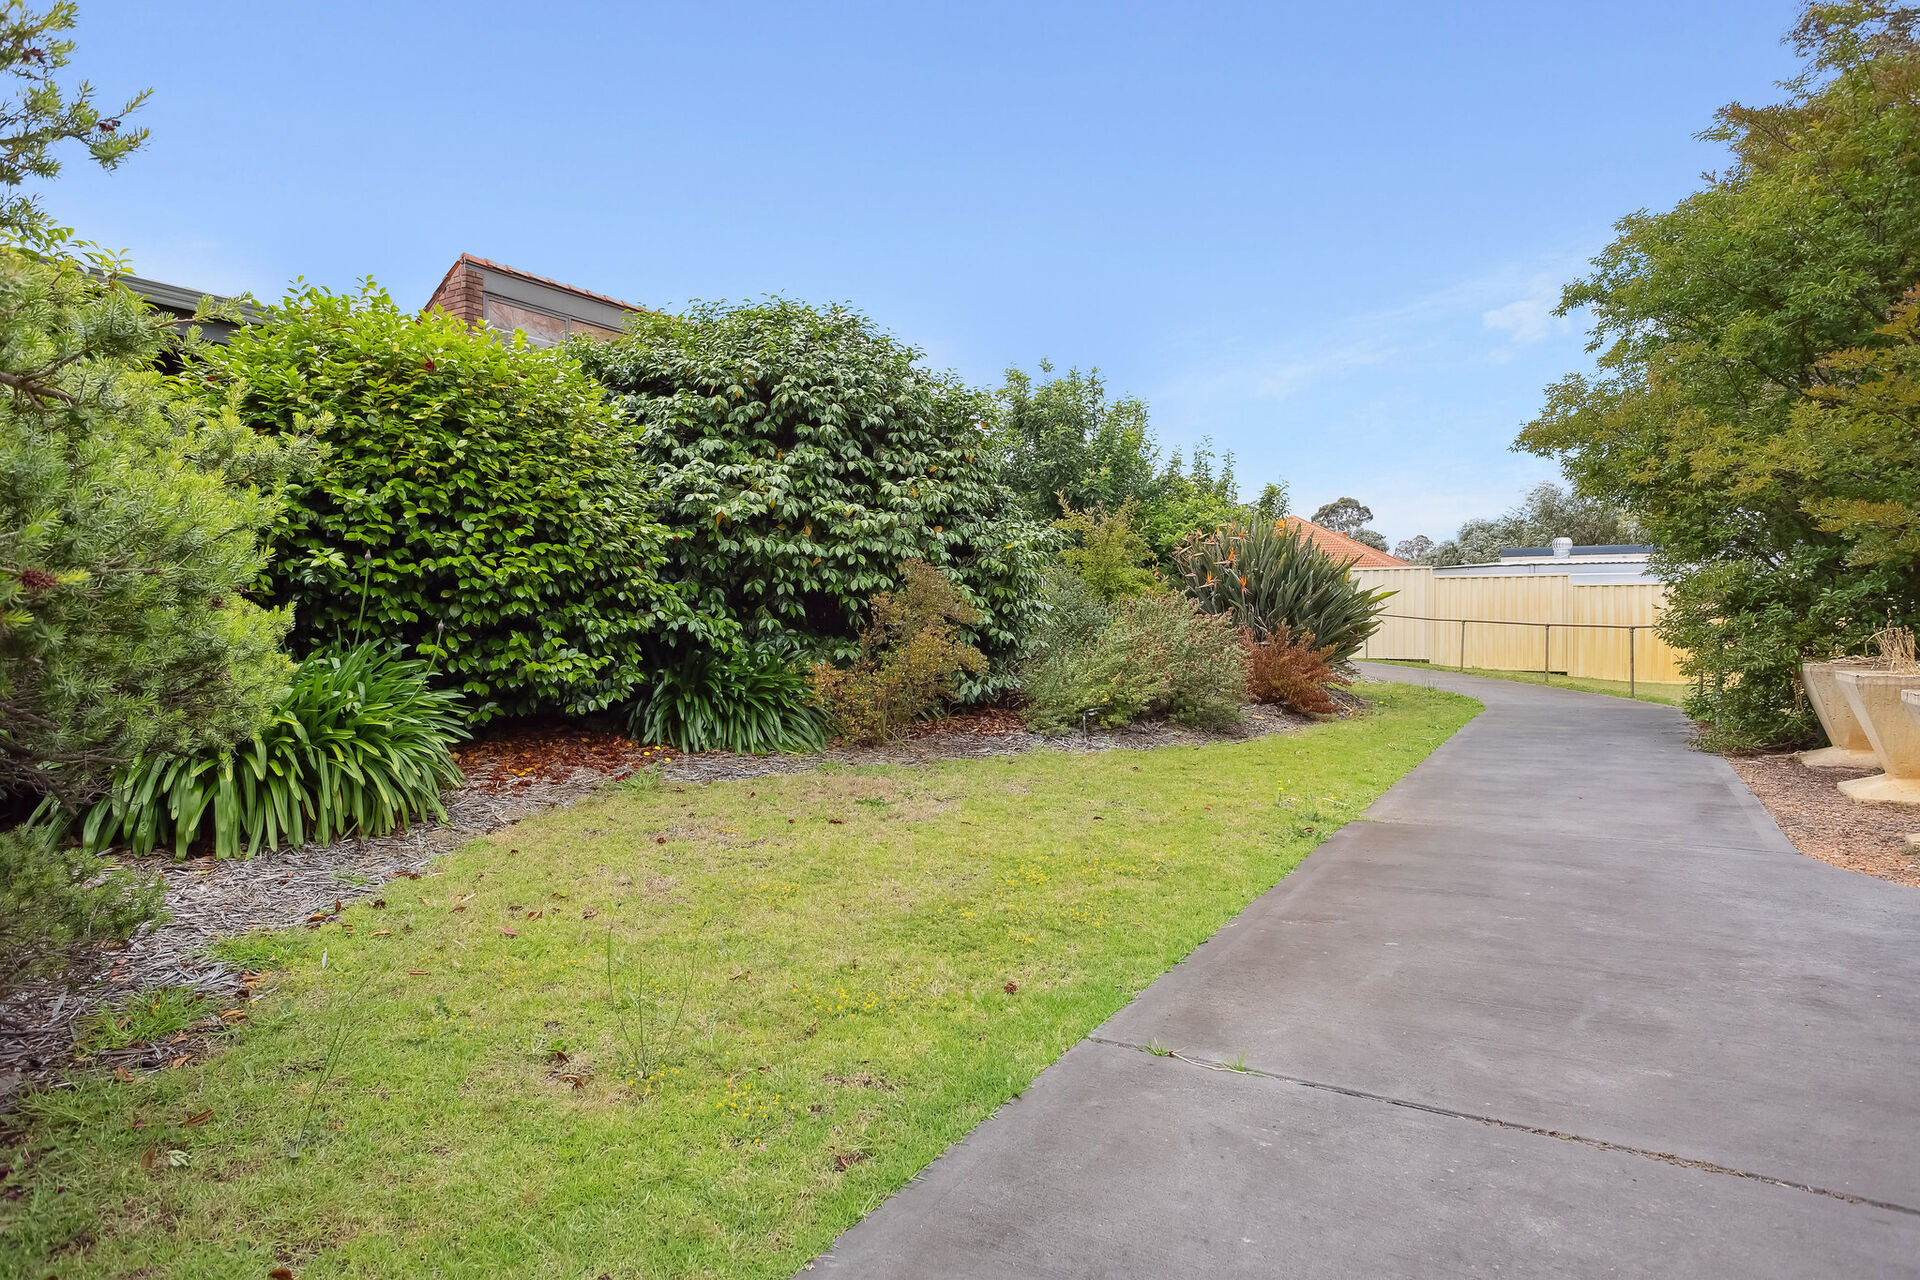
{"points": [[1568, 1003]]}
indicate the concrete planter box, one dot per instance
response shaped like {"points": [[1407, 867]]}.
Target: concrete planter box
{"points": [[1850, 748], [1875, 698]]}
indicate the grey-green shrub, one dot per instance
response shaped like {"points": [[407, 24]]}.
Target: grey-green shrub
{"points": [[1155, 655]]}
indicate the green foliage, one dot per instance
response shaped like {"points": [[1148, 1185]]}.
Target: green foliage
{"points": [[1074, 612], [1156, 656], [748, 700], [1267, 576], [1853, 447], [1418, 549], [54, 898], [480, 502], [361, 746], [1274, 502], [912, 659], [44, 115], [1548, 512], [1064, 443], [1109, 555], [805, 456], [1291, 673], [1713, 321], [129, 538]]}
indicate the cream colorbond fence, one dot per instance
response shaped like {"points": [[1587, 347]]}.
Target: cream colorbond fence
{"points": [[1522, 622]]}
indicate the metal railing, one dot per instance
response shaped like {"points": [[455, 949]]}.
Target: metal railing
{"points": [[1546, 649]]}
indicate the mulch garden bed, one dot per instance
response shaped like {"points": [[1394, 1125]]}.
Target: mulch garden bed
{"points": [[1824, 824], [512, 773]]}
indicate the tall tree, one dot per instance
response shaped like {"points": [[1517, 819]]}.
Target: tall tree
{"points": [[1350, 516], [1063, 440], [1712, 322], [130, 523], [42, 113]]}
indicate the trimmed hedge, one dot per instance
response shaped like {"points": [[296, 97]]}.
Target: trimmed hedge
{"points": [[479, 502]]}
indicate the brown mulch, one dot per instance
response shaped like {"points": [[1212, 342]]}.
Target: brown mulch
{"points": [[1824, 824], [512, 773], [526, 755]]}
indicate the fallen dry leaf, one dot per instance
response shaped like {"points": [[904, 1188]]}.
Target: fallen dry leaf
{"points": [[509, 932], [418, 973], [1011, 987], [197, 1119], [381, 933]]}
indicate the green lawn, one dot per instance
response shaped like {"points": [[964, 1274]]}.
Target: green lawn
{"points": [[1644, 690], [818, 982]]}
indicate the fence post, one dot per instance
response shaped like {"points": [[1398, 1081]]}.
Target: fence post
{"points": [[1463, 645], [1546, 656], [1631, 691]]}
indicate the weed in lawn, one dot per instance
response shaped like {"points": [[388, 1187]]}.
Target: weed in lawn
{"points": [[650, 1008], [343, 1023], [150, 1015]]}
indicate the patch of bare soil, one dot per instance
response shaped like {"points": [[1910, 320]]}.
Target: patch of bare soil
{"points": [[511, 774], [1824, 824]]}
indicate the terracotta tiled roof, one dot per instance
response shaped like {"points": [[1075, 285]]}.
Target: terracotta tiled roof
{"points": [[1341, 547]]}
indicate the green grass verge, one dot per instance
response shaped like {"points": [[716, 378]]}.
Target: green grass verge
{"points": [[1643, 690], [818, 982]]}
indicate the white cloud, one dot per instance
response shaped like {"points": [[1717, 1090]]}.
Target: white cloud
{"points": [[1529, 319]]}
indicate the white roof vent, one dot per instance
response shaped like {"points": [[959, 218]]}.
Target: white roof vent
{"points": [[1562, 548]]}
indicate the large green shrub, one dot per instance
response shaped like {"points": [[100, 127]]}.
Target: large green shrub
{"points": [[1265, 576], [130, 535], [1063, 441], [805, 456], [479, 502], [1156, 655], [361, 746]]}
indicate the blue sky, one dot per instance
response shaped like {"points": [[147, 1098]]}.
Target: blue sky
{"points": [[1327, 236]]}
